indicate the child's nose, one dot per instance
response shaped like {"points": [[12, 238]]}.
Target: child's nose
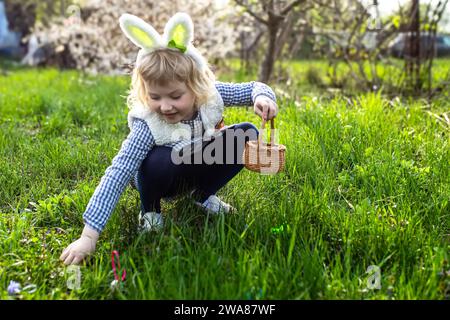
{"points": [[165, 106]]}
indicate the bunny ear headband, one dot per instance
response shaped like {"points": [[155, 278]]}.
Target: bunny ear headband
{"points": [[178, 34]]}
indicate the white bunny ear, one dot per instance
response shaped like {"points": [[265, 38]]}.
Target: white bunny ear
{"points": [[140, 32], [197, 56], [179, 31]]}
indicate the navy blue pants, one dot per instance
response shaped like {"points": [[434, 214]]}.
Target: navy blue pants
{"points": [[159, 177]]}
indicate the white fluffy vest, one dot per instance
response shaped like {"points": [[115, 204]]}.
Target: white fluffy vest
{"points": [[166, 133]]}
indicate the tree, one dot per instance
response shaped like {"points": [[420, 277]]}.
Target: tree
{"points": [[277, 17], [351, 32], [412, 61], [89, 38]]}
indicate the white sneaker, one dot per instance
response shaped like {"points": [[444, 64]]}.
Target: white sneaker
{"points": [[150, 221], [214, 205]]}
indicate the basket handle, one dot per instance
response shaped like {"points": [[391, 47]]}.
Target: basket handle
{"points": [[272, 134]]}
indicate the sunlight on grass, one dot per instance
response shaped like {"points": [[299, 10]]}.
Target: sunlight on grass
{"points": [[366, 183]]}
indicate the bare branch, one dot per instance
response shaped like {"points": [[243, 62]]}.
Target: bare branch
{"points": [[250, 12], [288, 7]]}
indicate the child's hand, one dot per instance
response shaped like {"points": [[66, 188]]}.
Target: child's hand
{"points": [[81, 248], [265, 107]]}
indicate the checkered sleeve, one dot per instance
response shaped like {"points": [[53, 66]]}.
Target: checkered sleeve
{"points": [[243, 94], [133, 151]]}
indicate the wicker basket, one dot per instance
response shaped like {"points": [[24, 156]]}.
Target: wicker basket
{"points": [[264, 158]]}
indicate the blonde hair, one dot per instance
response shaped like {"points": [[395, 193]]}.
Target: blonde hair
{"points": [[163, 66]]}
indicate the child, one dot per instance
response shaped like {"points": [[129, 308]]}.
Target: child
{"points": [[175, 116]]}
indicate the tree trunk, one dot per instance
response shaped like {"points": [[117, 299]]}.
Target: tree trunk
{"points": [[286, 29], [269, 59], [413, 52], [247, 49]]}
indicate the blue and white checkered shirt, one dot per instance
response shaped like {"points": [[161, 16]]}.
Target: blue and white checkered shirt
{"points": [[140, 141]]}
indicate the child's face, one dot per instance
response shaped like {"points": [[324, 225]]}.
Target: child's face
{"points": [[174, 101]]}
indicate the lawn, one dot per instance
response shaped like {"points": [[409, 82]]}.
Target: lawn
{"points": [[366, 183]]}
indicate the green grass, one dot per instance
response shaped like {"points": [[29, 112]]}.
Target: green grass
{"points": [[366, 183], [307, 77]]}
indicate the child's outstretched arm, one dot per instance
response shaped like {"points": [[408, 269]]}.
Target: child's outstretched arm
{"points": [[102, 203], [258, 94]]}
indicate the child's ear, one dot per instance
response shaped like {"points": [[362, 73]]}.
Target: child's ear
{"points": [[179, 31], [139, 32]]}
